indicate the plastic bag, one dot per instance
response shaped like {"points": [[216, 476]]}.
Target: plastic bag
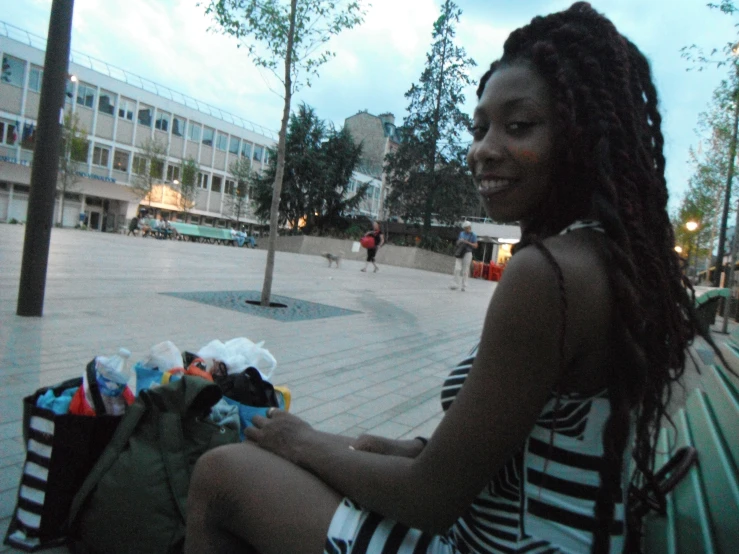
{"points": [[237, 354], [164, 356]]}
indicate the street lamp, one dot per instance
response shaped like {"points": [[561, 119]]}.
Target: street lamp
{"points": [[691, 226]]}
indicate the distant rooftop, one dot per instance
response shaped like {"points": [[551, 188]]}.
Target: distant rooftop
{"points": [[79, 58]]}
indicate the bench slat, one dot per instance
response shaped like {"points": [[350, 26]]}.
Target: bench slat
{"points": [[659, 531], [692, 525], [717, 472], [724, 401]]}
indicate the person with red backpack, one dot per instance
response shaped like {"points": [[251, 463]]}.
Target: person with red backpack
{"points": [[376, 234]]}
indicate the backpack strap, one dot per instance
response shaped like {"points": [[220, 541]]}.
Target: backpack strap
{"points": [[172, 449]]}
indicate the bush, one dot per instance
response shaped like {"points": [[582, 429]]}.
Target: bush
{"points": [[13, 221], [436, 244]]}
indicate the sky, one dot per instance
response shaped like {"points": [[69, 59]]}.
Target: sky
{"points": [[171, 42]]}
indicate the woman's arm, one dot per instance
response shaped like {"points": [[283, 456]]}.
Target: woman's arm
{"points": [[516, 368]]}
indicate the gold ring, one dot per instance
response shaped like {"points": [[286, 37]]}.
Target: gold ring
{"points": [[270, 412]]}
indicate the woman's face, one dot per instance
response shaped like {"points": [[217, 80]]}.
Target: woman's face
{"points": [[512, 151], [375, 226]]}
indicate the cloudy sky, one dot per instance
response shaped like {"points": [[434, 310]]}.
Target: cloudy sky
{"points": [[168, 42]]}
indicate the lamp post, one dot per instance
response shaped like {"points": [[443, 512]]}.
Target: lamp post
{"points": [[691, 226]]}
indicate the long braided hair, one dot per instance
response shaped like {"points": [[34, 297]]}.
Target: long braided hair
{"points": [[610, 165]]}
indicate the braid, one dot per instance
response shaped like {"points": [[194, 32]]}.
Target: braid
{"points": [[611, 165]]}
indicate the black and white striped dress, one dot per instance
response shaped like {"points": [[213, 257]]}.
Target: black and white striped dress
{"points": [[541, 501]]}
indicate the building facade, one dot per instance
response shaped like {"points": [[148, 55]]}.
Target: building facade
{"points": [[119, 112], [378, 136]]}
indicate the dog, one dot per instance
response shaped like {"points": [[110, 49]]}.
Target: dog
{"points": [[332, 259]]}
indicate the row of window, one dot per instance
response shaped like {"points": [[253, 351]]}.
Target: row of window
{"points": [[13, 73]]}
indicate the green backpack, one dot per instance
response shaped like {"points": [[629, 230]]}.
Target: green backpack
{"points": [[134, 499]]}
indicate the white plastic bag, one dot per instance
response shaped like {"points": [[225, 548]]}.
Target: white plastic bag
{"points": [[164, 356], [242, 353], [238, 354]]}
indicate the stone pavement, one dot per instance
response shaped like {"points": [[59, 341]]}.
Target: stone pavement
{"points": [[379, 370]]}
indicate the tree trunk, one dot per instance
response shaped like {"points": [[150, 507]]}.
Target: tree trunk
{"points": [[277, 187]]}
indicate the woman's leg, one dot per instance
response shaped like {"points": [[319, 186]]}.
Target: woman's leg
{"points": [[242, 495]]}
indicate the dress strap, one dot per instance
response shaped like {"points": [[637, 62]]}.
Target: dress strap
{"points": [[583, 224]]}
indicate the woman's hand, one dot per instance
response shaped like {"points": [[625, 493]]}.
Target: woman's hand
{"points": [[388, 447], [281, 433]]}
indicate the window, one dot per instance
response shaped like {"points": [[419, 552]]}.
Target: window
{"points": [[265, 161], [120, 160], [79, 151], [125, 109], [173, 173], [100, 156], [8, 132], [194, 132], [246, 149], [14, 70], [35, 78], [178, 126], [258, 151], [202, 181], [139, 165], [85, 95], [222, 142], [208, 136], [162, 122], [157, 169], [233, 146], [215, 184], [106, 104], [230, 187], [145, 115]]}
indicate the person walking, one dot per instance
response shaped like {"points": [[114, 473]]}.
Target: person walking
{"points": [[376, 234], [466, 243], [133, 226]]}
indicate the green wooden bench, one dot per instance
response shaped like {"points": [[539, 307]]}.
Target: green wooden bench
{"points": [[702, 512], [706, 305]]}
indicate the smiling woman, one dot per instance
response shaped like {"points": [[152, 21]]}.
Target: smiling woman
{"points": [[583, 338]]}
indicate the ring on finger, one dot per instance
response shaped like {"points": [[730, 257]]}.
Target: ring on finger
{"points": [[270, 412]]}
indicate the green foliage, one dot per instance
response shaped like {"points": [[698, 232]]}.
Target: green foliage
{"points": [[188, 192], [13, 221], [237, 201], [319, 162], [703, 201], [428, 174], [153, 153], [720, 56]]}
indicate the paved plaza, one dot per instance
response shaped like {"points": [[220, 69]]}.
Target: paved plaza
{"points": [[377, 368]]}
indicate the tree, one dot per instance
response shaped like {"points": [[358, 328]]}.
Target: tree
{"points": [[724, 56], [428, 174], [148, 167], [318, 168], [188, 192], [237, 200], [73, 152], [292, 36], [330, 199]]}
